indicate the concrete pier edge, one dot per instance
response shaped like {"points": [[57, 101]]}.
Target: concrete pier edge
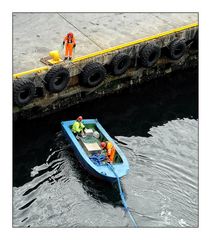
{"points": [[111, 49]]}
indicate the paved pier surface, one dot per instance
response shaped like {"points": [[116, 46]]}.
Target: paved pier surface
{"points": [[36, 34]]}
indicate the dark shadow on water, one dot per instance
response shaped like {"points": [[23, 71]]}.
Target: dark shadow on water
{"points": [[130, 113], [100, 190]]}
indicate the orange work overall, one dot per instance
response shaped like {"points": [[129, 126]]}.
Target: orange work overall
{"points": [[69, 45], [110, 151]]}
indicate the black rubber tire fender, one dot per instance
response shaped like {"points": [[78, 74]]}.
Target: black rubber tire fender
{"points": [[176, 49], [120, 63], [23, 92], [149, 54], [56, 79], [92, 74]]}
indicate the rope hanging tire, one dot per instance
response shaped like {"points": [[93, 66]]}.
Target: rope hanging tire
{"points": [[56, 79], [149, 55], [92, 74], [195, 44], [120, 63], [177, 49], [23, 92]]}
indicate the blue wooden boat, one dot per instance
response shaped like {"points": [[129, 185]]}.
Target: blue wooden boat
{"points": [[85, 157]]}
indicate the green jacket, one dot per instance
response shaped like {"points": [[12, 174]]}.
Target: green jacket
{"points": [[77, 127]]}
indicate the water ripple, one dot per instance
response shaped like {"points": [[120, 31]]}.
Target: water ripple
{"points": [[161, 188]]}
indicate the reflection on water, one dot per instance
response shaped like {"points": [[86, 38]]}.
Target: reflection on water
{"points": [[164, 174], [55, 191], [156, 127]]}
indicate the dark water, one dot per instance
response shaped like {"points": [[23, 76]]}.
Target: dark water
{"points": [[157, 128]]}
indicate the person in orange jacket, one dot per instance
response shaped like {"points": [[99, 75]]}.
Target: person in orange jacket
{"points": [[110, 150], [69, 43]]}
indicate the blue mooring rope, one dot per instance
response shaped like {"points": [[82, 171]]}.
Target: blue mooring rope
{"points": [[97, 159], [122, 196]]}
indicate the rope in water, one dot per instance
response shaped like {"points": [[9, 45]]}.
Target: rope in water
{"points": [[122, 196]]}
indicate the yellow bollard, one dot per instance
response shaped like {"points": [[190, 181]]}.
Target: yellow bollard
{"points": [[55, 57]]}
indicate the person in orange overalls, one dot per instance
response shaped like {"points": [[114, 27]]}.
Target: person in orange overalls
{"points": [[110, 150], [69, 43]]}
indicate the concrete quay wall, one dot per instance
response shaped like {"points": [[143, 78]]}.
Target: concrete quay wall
{"points": [[46, 102]]}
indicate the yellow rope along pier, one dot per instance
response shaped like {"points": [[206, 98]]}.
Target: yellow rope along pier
{"points": [[98, 53]]}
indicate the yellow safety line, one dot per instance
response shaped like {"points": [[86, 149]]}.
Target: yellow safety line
{"points": [[17, 75], [135, 42], [35, 70]]}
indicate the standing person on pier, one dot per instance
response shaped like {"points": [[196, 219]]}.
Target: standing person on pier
{"points": [[69, 43]]}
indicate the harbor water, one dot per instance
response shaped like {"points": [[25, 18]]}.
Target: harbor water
{"points": [[156, 126]]}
